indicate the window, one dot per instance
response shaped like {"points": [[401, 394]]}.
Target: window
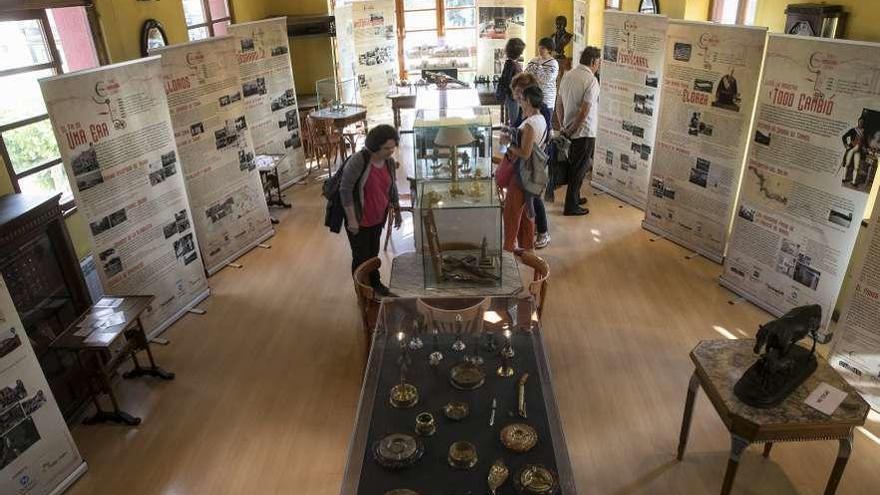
{"points": [[612, 4], [35, 44], [437, 34], [733, 11], [649, 7], [206, 18]]}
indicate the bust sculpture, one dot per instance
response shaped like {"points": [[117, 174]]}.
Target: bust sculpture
{"points": [[784, 365], [561, 38]]}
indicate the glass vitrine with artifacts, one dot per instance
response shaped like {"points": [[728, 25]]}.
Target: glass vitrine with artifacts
{"points": [[461, 233], [453, 144]]}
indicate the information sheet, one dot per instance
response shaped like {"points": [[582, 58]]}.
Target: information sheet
{"points": [[118, 147], [810, 166], [580, 13], [270, 95], [632, 68], [710, 83], [37, 453], [226, 195], [856, 349]]}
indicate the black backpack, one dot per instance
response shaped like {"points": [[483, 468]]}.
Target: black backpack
{"points": [[334, 214]]}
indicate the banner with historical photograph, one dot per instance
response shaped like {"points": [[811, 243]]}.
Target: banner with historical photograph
{"points": [[269, 94], [856, 350], [632, 68], [225, 193], [810, 167], [710, 84], [37, 453], [116, 140], [498, 21], [580, 13]]}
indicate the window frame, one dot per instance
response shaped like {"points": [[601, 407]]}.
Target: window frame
{"points": [[209, 21], [56, 64], [612, 4], [440, 9], [742, 10]]}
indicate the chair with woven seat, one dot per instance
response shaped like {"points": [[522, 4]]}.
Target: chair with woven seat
{"points": [[367, 301], [404, 208], [324, 141], [538, 285], [443, 314]]}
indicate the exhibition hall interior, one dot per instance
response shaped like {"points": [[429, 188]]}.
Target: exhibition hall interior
{"points": [[439, 247]]}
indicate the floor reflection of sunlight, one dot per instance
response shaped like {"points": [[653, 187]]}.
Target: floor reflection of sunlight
{"points": [[491, 317], [872, 437], [725, 332], [596, 232]]}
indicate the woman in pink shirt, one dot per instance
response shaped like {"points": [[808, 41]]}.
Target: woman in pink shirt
{"points": [[368, 189]]}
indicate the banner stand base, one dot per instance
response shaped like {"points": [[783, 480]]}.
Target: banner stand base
{"points": [[663, 234], [197, 311], [71, 479], [264, 246], [230, 260], [617, 195], [164, 326], [235, 265]]}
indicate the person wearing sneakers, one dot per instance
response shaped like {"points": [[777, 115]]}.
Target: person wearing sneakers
{"points": [[577, 108]]}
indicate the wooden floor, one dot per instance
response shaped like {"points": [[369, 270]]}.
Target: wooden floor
{"points": [[268, 380]]}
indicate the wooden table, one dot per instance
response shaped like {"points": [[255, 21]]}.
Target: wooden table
{"points": [[103, 350], [340, 119], [718, 366], [408, 279], [410, 97], [431, 474]]}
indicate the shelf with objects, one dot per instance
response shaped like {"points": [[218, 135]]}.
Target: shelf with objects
{"points": [[453, 144]]}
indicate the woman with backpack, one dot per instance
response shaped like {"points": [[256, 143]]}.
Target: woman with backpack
{"points": [[518, 215], [367, 190], [503, 92]]}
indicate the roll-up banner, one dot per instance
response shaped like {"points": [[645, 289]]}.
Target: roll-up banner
{"points": [[372, 38], [37, 453], [118, 148], [810, 167], [269, 95], [225, 193], [632, 68], [856, 349], [580, 12], [499, 21], [710, 83]]}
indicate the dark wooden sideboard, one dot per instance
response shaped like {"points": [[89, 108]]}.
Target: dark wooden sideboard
{"points": [[39, 265]]}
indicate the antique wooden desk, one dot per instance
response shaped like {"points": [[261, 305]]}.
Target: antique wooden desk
{"points": [[101, 351], [377, 418], [719, 365], [337, 120], [406, 98], [408, 279]]}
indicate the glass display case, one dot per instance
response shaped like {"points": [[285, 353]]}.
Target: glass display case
{"points": [[453, 144], [461, 233]]}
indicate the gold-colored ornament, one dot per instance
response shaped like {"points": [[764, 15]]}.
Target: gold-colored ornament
{"points": [[534, 479], [404, 396], [498, 474], [519, 437], [462, 455]]}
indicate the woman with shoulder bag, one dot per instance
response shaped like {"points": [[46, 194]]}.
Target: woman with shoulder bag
{"points": [[519, 227], [368, 189]]}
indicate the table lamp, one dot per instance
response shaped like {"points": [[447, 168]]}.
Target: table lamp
{"points": [[453, 137]]}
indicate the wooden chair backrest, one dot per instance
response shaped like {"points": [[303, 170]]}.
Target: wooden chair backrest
{"points": [[538, 286], [443, 314], [367, 301]]}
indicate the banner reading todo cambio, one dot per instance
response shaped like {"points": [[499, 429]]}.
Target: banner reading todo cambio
{"points": [[632, 68], [809, 170], [37, 453], [115, 138], [216, 154], [270, 95], [710, 83]]}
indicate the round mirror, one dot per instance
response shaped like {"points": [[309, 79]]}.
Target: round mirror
{"points": [[152, 37]]}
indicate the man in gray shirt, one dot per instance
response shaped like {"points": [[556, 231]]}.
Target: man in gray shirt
{"points": [[577, 107]]}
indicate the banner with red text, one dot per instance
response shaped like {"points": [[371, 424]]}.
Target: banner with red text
{"points": [[270, 95], [216, 153], [632, 68], [710, 82], [118, 147], [810, 167], [37, 452], [856, 350]]}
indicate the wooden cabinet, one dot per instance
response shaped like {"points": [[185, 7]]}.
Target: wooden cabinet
{"points": [[39, 265]]}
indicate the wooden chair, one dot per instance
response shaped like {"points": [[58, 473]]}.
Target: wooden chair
{"points": [[351, 133], [324, 141], [538, 285], [404, 208], [367, 301], [442, 313]]}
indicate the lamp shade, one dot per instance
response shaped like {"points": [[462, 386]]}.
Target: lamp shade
{"points": [[453, 136]]}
